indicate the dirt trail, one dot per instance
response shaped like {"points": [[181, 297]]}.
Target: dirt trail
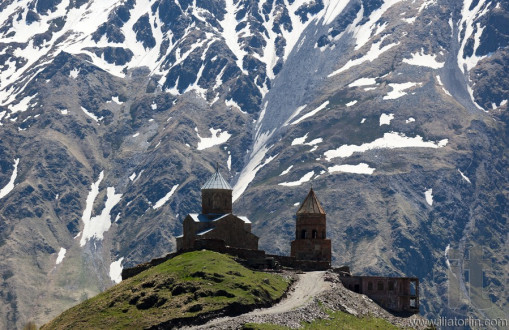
{"points": [[308, 286]]}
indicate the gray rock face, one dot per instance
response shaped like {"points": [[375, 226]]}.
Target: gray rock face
{"points": [[114, 113]]}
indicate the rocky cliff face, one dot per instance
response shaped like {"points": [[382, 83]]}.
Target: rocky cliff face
{"points": [[113, 113]]}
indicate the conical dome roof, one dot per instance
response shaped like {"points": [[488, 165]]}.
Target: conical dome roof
{"points": [[311, 205], [216, 181]]}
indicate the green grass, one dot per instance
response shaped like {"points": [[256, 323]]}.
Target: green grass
{"points": [[187, 286], [338, 320]]}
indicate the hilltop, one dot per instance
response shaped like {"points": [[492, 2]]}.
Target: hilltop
{"points": [[190, 287], [210, 288]]}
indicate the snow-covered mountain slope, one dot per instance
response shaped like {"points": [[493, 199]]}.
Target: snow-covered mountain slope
{"points": [[113, 113]]}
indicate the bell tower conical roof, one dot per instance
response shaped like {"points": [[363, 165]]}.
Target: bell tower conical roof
{"points": [[311, 205]]}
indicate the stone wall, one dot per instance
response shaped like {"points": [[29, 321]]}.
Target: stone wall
{"points": [[311, 249], [253, 258]]}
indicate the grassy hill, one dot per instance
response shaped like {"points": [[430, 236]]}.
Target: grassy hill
{"points": [[193, 285]]}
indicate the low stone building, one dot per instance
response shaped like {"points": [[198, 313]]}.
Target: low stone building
{"points": [[311, 242], [216, 221], [398, 294]]}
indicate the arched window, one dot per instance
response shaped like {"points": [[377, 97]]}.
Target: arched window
{"points": [[315, 234], [303, 233], [370, 286], [380, 286]]}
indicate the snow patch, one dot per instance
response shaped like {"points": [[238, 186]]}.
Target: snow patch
{"points": [[116, 270], [332, 9], [230, 34], [295, 114], [464, 177], [218, 137], [361, 168], [302, 140], [116, 100], [349, 104], [22, 105], [390, 140], [371, 28], [363, 82], [311, 113], [64, 111], [466, 29], [74, 73], [133, 176], [254, 165], [398, 90], [302, 180], [442, 85], [428, 194], [373, 53], [61, 255], [446, 254], [136, 135], [410, 120], [286, 171], [95, 227], [409, 20], [10, 185], [163, 200], [427, 60], [91, 115], [232, 104], [385, 119]]}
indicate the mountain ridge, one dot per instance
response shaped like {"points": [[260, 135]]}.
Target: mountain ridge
{"points": [[256, 93]]}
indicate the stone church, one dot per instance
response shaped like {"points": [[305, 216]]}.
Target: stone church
{"points": [[217, 228], [216, 222]]}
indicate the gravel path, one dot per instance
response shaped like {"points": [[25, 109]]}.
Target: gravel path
{"points": [[307, 287], [305, 302]]}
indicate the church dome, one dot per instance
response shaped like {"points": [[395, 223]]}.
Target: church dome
{"points": [[216, 181]]}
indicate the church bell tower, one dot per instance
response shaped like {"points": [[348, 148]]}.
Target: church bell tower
{"points": [[311, 242]]}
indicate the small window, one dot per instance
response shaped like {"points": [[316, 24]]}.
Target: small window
{"points": [[370, 286], [391, 286], [413, 288], [315, 234], [303, 233], [323, 234], [380, 286]]}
